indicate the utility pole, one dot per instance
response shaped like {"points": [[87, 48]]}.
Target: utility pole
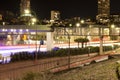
{"points": [[101, 41], [68, 48]]}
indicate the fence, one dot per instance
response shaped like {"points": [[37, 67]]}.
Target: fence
{"points": [[14, 71]]}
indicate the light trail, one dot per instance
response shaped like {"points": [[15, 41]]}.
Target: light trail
{"points": [[5, 51]]}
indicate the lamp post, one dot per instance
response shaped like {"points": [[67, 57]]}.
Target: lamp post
{"points": [[117, 32], [112, 27], [78, 28], [119, 35], [113, 48], [89, 51], [33, 21], [101, 41], [113, 32], [68, 48]]}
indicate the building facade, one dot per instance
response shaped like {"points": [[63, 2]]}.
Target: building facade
{"points": [[55, 15], [103, 11], [25, 8]]}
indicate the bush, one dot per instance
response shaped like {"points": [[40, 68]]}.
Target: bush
{"points": [[29, 76], [37, 76], [56, 52]]}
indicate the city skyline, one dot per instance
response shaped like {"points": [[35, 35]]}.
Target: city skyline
{"points": [[67, 8]]}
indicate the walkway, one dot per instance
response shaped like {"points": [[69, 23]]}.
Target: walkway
{"points": [[14, 70], [85, 62], [81, 63]]}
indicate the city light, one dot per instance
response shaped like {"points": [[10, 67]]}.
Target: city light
{"points": [[78, 24], [26, 11], [82, 21], [12, 30], [112, 26], [27, 30], [33, 21], [3, 30], [70, 25], [21, 30]]}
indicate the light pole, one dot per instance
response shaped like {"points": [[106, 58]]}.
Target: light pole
{"points": [[68, 48], [89, 51], [112, 27], [33, 21], [101, 41], [119, 35], [113, 48], [78, 28]]}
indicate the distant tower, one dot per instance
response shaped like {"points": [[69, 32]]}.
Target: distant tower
{"points": [[55, 15], [103, 10], [25, 8]]}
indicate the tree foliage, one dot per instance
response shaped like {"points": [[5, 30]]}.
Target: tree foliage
{"points": [[82, 41]]}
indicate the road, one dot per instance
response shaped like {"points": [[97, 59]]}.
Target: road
{"points": [[5, 51]]}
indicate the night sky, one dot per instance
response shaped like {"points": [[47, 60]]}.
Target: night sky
{"points": [[68, 8]]}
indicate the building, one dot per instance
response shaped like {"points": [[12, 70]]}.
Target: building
{"points": [[115, 19], [55, 15], [25, 12], [25, 8], [103, 11]]}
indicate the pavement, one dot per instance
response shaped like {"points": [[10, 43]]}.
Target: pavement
{"points": [[81, 63], [85, 62]]}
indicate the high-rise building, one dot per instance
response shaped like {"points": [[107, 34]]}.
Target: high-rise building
{"points": [[103, 10], [25, 12], [25, 8], [55, 15]]}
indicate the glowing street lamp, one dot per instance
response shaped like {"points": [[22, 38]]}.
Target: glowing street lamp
{"points": [[78, 24], [82, 21], [33, 21], [112, 26], [70, 25]]}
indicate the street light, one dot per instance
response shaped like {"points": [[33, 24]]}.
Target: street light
{"points": [[33, 21], [113, 32], [69, 48], [70, 25], [82, 21], [113, 48], [27, 13], [112, 26], [89, 51], [78, 24], [101, 41]]}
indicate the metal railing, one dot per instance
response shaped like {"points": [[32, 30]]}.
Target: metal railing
{"points": [[14, 71]]}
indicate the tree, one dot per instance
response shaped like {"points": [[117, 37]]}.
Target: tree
{"points": [[85, 41], [82, 41]]}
